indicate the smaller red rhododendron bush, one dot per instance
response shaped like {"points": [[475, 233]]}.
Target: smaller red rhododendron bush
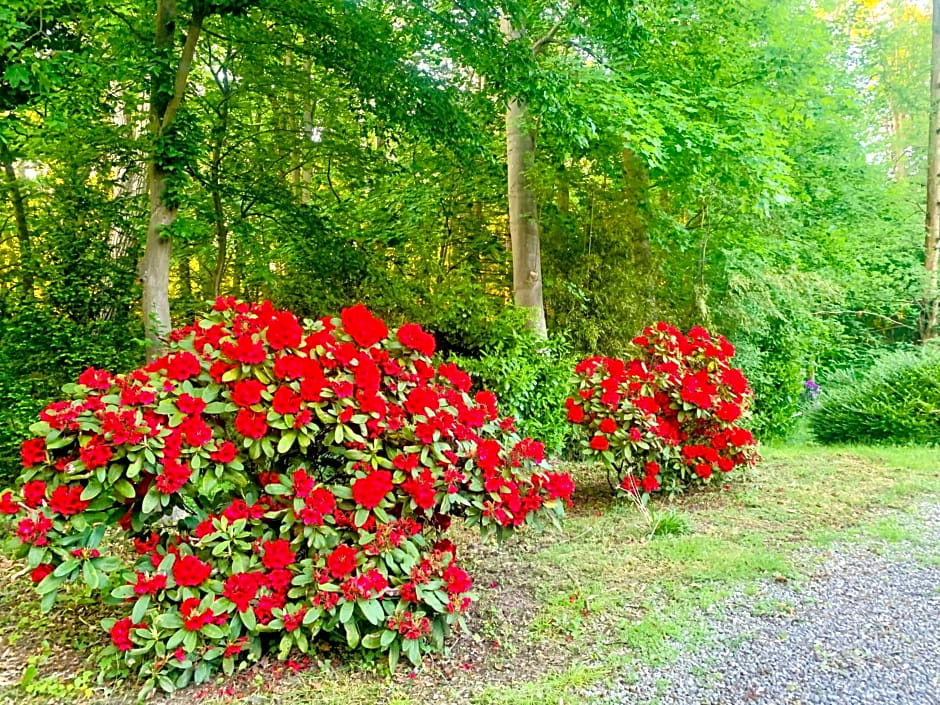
{"points": [[668, 418], [268, 482]]}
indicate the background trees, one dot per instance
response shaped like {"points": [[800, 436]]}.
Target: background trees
{"points": [[754, 166]]}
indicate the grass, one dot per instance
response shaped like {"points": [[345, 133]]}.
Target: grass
{"points": [[559, 612]]}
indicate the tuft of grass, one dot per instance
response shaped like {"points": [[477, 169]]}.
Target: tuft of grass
{"points": [[670, 523]]}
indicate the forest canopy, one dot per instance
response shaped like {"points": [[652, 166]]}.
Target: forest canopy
{"points": [[495, 171]]}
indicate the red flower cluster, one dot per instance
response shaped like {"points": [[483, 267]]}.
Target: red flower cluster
{"points": [[666, 418], [275, 475]]}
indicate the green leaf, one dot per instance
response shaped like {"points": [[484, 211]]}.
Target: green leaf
{"points": [[372, 641], [352, 634], [346, 611], [287, 440], [140, 608]]}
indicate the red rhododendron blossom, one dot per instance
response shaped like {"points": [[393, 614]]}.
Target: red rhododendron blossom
{"points": [[189, 571], [224, 453], [364, 328], [121, 634], [33, 452], [342, 561], [277, 554], [369, 491], [599, 443], [38, 574], [34, 493], [285, 401], [251, 424], [247, 392], [415, 338], [67, 501], [7, 505]]}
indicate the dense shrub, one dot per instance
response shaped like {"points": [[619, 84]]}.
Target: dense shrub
{"points": [[273, 481], [896, 400], [531, 377], [669, 417]]}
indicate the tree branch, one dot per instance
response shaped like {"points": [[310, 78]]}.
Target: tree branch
{"points": [[540, 44], [182, 73]]}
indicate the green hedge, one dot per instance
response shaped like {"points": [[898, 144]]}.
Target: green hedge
{"points": [[895, 401]]}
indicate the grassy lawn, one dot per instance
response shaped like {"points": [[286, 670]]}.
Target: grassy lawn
{"points": [[555, 612]]}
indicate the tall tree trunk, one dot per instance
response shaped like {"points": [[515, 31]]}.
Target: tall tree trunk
{"points": [[306, 172], [523, 215], [167, 91], [636, 196], [23, 236], [932, 235]]}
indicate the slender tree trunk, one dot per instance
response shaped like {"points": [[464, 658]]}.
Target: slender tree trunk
{"points": [[523, 215], [23, 236], [636, 197], [306, 172], [167, 91], [932, 235]]}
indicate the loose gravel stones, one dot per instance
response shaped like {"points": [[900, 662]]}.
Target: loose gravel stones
{"points": [[863, 630]]}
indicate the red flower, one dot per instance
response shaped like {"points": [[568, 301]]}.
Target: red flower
{"points": [[121, 633], [182, 366], [608, 425], [342, 561], [149, 586], [650, 483], [34, 493], [224, 453], [40, 571], [319, 503], [277, 554], [33, 452], [369, 491], [421, 489], [252, 424], [189, 571], [7, 505], [457, 579], [559, 485], [599, 443], [413, 336], [241, 589], [189, 405], [284, 331], [247, 392], [173, 477], [728, 412], [67, 501], [285, 401], [364, 328], [96, 379], [575, 411]]}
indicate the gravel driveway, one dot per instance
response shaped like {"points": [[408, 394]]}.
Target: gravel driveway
{"points": [[863, 630]]}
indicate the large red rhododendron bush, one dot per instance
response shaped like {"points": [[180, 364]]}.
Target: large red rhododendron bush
{"points": [[269, 482], [668, 418]]}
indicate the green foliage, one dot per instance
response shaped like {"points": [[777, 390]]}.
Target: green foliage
{"points": [[40, 352], [895, 401], [531, 379]]}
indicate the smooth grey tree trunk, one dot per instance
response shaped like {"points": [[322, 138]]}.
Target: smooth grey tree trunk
{"points": [[523, 213], [164, 105]]}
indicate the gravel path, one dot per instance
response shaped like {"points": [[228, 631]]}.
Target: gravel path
{"points": [[863, 630]]}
